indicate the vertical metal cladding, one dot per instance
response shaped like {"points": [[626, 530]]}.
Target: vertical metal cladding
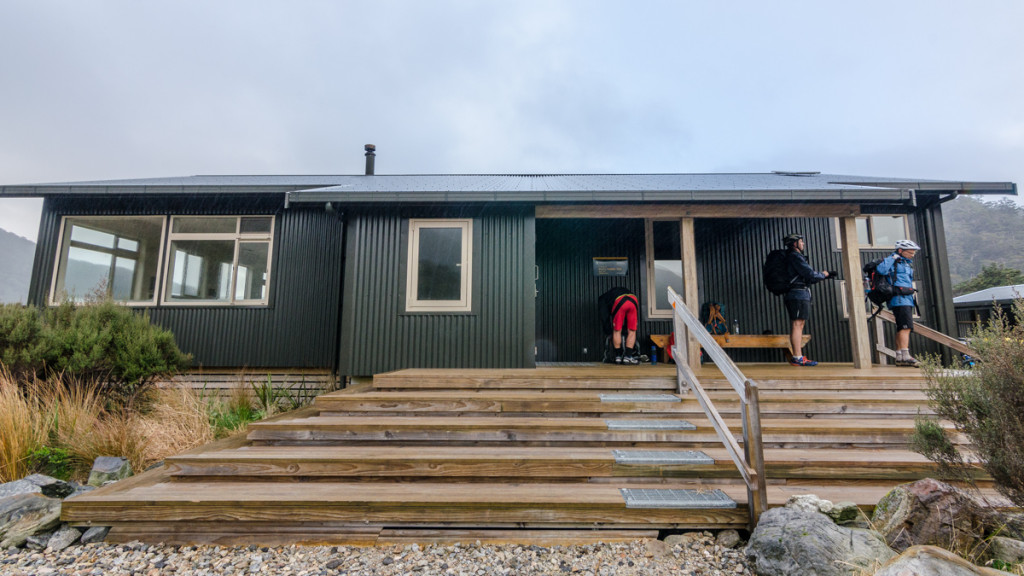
{"points": [[378, 335], [298, 329], [731, 253], [567, 312]]}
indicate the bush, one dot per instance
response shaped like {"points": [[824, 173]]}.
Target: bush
{"points": [[986, 404], [98, 343], [21, 340]]}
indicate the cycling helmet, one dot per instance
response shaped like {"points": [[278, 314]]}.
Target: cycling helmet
{"points": [[907, 245], [792, 238]]}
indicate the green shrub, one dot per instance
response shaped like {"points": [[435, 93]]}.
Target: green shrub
{"points": [[21, 340], [97, 343], [986, 404], [54, 462]]}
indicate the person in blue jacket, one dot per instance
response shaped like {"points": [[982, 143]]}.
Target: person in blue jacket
{"points": [[798, 299], [899, 266]]}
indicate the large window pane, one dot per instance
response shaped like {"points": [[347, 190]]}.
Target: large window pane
{"points": [[440, 260], [887, 230], [200, 269], [251, 281], [109, 256]]}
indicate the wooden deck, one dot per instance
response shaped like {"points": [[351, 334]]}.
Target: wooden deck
{"points": [[517, 455]]}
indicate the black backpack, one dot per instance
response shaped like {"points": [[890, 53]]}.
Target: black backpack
{"points": [[776, 273], [879, 286]]}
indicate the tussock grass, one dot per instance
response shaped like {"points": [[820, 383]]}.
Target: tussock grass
{"points": [[21, 429], [74, 418]]}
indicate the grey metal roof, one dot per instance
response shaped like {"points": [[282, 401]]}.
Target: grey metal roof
{"points": [[776, 186], [1000, 294]]}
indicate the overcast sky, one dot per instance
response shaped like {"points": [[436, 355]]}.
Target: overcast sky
{"points": [[126, 89]]}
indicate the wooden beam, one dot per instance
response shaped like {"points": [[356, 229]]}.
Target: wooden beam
{"points": [[933, 335], [860, 337], [707, 210], [688, 252]]}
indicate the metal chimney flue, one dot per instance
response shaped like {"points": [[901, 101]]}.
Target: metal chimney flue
{"points": [[370, 155]]}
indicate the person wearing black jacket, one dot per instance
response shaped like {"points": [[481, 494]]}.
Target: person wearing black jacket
{"points": [[619, 308], [798, 299]]}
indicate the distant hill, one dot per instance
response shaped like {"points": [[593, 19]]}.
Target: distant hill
{"points": [[980, 233], [16, 255]]}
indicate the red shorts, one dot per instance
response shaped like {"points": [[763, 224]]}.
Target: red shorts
{"points": [[626, 312]]}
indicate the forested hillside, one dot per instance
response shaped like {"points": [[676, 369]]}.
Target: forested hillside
{"points": [[16, 255], [980, 233]]}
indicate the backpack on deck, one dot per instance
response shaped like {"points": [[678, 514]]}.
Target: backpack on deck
{"points": [[712, 318], [776, 273]]}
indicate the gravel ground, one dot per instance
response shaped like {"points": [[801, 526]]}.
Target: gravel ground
{"points": [[694, 554]]}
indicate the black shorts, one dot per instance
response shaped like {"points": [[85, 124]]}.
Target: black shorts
{"points": [[798, 309], [904, 317]]}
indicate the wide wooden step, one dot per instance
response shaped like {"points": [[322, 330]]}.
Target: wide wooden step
{"points": [[774, 404], [470, 464], [645, 377], [577, 431]]}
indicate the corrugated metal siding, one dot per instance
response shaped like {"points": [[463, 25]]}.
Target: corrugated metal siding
{"points": [[378, 336], [730, 253], [567, 312], [297, 329]]}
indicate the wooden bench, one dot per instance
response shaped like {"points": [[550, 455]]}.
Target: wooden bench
{"points": [[742, 341]]}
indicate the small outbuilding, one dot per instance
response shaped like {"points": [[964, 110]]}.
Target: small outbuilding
{"points": [[978, 307]]}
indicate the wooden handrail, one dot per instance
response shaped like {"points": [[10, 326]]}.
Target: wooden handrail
{"points": [[931, 334], [749, 462]]}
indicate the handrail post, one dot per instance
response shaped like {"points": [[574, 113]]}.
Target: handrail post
{"points": [[754, 450]]}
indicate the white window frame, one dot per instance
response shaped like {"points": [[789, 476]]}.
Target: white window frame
{"points": [[871, 236], [653, 312], [465, 303], [237, 237], [60, 256]]}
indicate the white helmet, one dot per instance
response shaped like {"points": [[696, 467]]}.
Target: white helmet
{"points": [[907, 245]]}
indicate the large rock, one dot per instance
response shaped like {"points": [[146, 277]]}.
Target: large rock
{"points": [[929, 512], [22, 486], [1009, 550], [61, 539], [791, 541], [95, 534], [933, 561], [23, 515], [50, 486], [109, 469]]}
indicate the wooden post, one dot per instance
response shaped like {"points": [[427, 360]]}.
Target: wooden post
{"points": [[880, 342], [860, 336], [758, 499], [688, 255]]}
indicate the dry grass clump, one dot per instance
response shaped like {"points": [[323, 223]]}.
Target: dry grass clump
{"points": [[61, 428], [21, 429]]}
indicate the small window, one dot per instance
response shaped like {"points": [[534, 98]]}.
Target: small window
{"points": [[219, 260], [108, 256], [664, 265], [877, 232], [439, 266]]}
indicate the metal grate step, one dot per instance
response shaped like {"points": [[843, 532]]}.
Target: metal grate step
{"points": [[649, 424], [690, 457], [675, 498], [639, 398]]}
